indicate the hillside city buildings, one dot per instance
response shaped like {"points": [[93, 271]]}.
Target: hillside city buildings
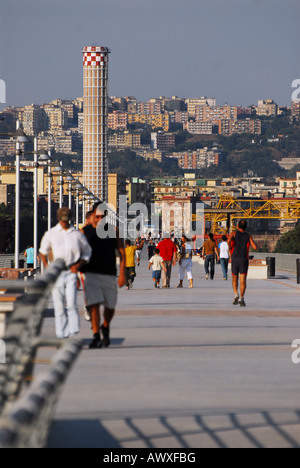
{"points": [[93, 126]]}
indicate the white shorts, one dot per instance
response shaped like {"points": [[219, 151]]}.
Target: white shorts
{"points": [[186, 267], [138, 254], [101, 289]]}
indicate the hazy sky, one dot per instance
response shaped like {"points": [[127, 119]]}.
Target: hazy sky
{"points": [[238, 51]]}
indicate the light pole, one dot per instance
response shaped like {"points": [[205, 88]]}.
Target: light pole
{"points": [[21, 138], [85, 195], [49, 190], [58, 170], [79, 187], [70, 179], [43, 154]]}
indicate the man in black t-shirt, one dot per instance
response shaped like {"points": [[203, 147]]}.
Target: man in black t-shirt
{"points": [[100, 273], [239, 244]]}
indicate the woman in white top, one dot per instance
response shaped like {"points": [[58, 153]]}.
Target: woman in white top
{"points": [[185, 263], [224, 257]]}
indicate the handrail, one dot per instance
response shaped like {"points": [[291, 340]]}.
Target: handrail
{"points": [[23, 328], [26, 424]]}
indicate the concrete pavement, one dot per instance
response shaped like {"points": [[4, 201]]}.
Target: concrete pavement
{"points": [[187, 369]]}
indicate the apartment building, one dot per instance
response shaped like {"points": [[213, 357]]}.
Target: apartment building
{"points": [[181, 117], [289, 187], [267, 108], [152, 107], [250, 126], [33, 120], [157, 155], [173, 104], [198, 127], [7, 147], [125, 140], [116, 188], [211, 114], [295, 110], [162, 141], [194, 104], [154, 121], [199, 159], [117, 120], [56, 117], [8, 185]]}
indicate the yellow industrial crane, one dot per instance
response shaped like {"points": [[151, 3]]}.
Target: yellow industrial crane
{"points": [[228, 209]]}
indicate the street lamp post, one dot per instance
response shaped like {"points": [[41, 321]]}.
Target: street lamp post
{"points": [[49, 191], [21, 138], [70, 179], [38, 155]]}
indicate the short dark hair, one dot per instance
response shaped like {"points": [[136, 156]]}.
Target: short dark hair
{"points": [[224, 238], [211, 236], [127, 242], [157, 251], [103, 206], [89, 214], [243, 225]]}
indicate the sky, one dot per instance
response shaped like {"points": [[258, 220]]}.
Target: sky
{"points": [[237, 51]]}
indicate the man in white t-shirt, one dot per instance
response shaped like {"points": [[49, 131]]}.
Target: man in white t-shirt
{"points": [[65, 242], [224, 257], [158, 265]]}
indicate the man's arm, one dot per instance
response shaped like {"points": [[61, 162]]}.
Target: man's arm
{"points": [[252, 243], [44, 259], [85, 254], [121, 250]]}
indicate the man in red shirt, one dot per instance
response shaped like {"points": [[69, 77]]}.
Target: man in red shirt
{"points": [[168, 252]]}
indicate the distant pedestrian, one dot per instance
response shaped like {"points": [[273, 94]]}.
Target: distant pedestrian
{"points": [[139, 243], [210, 253], [186, 263], [158, 265], [101, 275], [130, 255], [65, 242], [224, 257], [168, 252], [151, 249], [240, 242], [29, 255]]}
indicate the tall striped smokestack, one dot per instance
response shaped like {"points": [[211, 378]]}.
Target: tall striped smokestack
{"points": [[95, 109]]}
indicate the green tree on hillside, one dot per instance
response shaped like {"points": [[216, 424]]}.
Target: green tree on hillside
{"points": [[289, 243]]}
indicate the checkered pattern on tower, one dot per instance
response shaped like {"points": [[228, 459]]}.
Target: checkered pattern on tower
{"points": [[95, 56]]}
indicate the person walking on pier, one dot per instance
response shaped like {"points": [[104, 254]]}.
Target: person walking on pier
{"points": [[65, 242], [158, 265], [101, 274], [224, 257], [168, 252], [240, 242], [185, 263], [210, 252], [130, 255]]}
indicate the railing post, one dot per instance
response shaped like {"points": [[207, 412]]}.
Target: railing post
{"points": [[298, 270]]}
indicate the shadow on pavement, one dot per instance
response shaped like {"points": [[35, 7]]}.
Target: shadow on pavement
{"points": [[232, 430]]}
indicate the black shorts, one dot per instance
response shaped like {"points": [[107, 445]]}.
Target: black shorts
{"points": [[240, 266]]}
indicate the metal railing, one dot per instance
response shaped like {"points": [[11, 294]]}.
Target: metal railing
{"points": [[27, 423], [26, 413], [22, 335]]}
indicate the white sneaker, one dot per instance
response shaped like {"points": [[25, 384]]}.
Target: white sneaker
{"points": [[207, 277], [87, 315]]}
